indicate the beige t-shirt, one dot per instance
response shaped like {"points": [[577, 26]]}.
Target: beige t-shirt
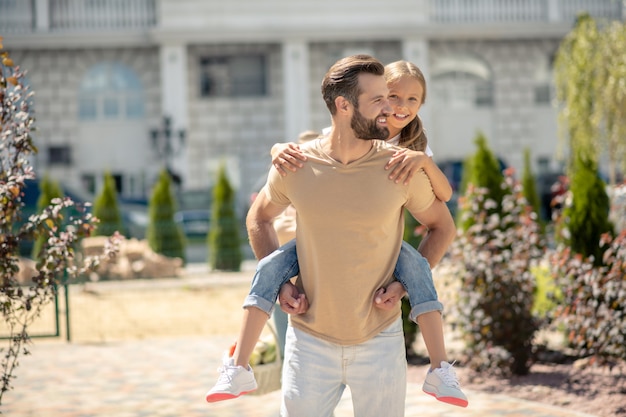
{"points": [[285, 225], [350, 224]]}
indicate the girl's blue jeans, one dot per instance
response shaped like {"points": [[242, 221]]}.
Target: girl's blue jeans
{"points": [[412, 271]]}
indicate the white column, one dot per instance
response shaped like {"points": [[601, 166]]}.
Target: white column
{"points": [[554, 12], [417, 52], [296, 79], [42, 15], [174, 98]]}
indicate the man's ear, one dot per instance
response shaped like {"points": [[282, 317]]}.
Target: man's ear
{"points": [[343, 104]]}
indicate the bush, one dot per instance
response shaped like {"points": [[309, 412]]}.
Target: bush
{"points": [[494, 258], [48, 191], [585, 215], [106, 209], [482, 170], [163, 234], [548, 295], [59, 225], [593, 309], [617, 214], [529, 184], [224, 243]]}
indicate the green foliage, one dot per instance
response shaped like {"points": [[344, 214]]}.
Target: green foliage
{"points": [[48, 190], [609, 116], [164, 235], [409, 327], [482, 170], [590, 75], [548, 296], [106, 210], [586, 214], [412, 230], [61, 225], [529, 184], [593, 305], [223, 240], [576, 83], [413, 235], [493, 259]]}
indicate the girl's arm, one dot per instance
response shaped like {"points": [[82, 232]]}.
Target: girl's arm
{"points": [[287, 156], [408, 162]]}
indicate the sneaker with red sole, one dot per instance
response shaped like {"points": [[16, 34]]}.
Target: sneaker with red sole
{"points": [[233, 382], [443, 384]]}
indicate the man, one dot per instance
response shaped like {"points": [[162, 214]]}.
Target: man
{"points": [[350, 226]]}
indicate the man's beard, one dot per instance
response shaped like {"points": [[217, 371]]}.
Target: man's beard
{"points": [[367, 129]]}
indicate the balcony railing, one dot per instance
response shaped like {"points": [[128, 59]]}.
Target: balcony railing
{"points": [[101, 14], [492, 11], [27, 16], [607, 9], [16, 16]]}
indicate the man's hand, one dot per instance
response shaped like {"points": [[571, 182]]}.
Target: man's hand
{"points": [[386, 298], [291, 301]]}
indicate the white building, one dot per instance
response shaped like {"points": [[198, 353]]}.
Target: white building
{"points": [[236, 77]]}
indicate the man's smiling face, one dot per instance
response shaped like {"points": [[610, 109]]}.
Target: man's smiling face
{"points": [[369, 120]]}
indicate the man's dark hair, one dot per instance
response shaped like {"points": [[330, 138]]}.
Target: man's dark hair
{"points": [[342, 79]]}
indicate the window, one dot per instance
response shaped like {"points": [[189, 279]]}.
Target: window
{"points": [[89, 183], [543, 94], [87, 108], [462, 81], [111, 105], [233, 76], [119, 182], [544, 84], [134, 107], [60, 155], [110, 91]]}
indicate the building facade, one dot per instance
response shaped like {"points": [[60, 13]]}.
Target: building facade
{"points": [[133, 86]]}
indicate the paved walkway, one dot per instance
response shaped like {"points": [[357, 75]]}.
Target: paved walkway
{"points": [[168, 378]]}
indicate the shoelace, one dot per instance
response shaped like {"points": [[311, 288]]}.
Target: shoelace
{"points": [[448, 376], [225, 376]]}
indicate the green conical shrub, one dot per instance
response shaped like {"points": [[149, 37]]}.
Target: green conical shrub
{"points": [[48, 190], [482, 170], [529, 185], [224, 242], [106, 209], [163, 234], [587, 217]]}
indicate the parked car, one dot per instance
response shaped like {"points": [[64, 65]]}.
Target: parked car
{"points": [[135, 218], [195, 199], [194, 223]]}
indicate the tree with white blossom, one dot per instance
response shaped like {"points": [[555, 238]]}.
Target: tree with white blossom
{"points": [[58, 258]]}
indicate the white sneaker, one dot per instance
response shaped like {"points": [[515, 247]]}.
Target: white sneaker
{"points": [[443, 384], [232, 382]]}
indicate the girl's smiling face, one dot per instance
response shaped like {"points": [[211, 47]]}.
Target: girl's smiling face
{"points": [[406, 96]]}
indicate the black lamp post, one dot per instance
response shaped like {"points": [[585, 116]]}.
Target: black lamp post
{"points": [[168, 144]]}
